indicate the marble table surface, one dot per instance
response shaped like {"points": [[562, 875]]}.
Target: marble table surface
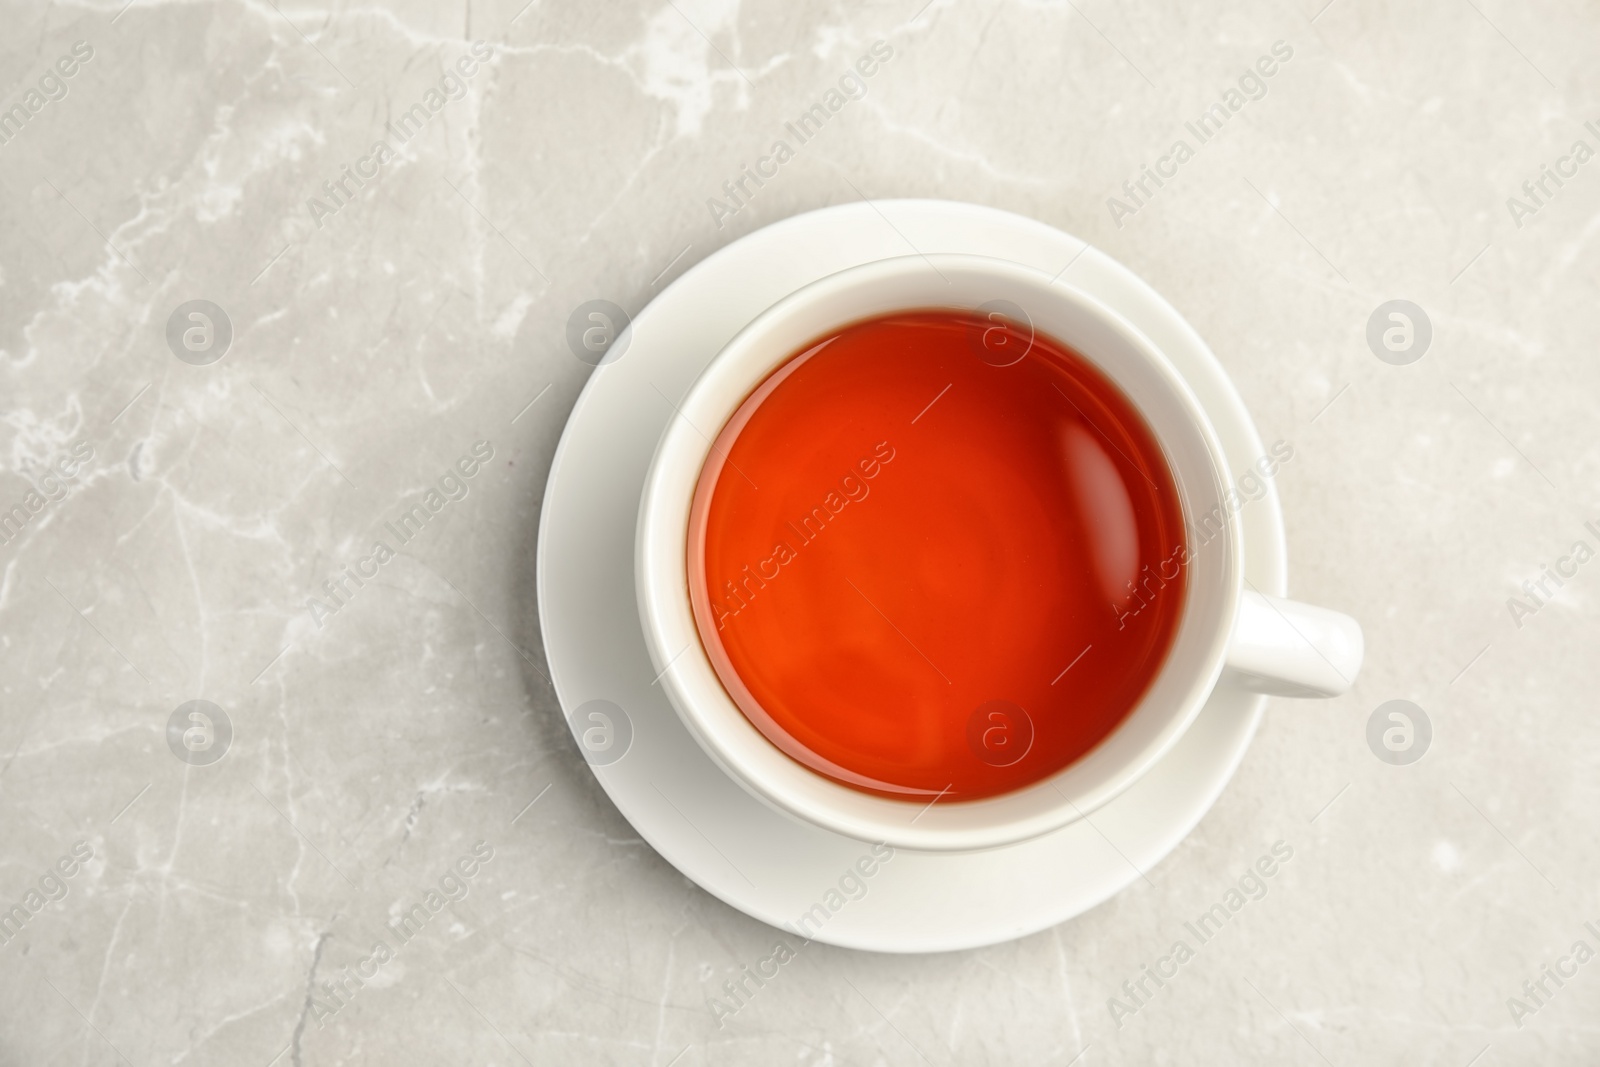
{"points": [[271, 274]]}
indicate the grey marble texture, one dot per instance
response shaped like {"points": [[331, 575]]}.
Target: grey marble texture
{"points": [[378, 335]]}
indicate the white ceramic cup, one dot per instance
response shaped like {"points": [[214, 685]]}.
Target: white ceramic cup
{"points": [[1227, 634]]}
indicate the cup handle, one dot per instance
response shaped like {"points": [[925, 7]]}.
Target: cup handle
{"points": [[1287, 648]]}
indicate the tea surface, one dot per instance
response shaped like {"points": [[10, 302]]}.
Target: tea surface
{"points": [[924, 573]]}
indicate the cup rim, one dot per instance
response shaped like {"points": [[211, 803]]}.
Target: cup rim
{"points": [[1170, 703]]}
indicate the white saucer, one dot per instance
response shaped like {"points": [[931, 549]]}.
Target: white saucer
{"points": [[734, 846]]}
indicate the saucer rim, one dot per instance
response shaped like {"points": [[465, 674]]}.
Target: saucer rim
{"points": [[979, 230]]}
